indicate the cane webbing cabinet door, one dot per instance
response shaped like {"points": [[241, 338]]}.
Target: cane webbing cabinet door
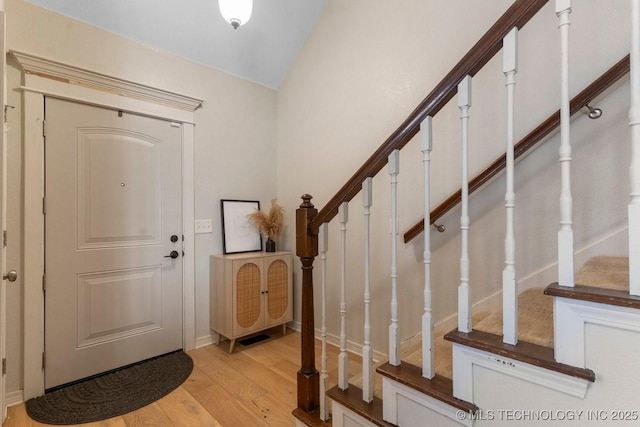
{"points": [[278, 290], [248, 301], [250, 292]]}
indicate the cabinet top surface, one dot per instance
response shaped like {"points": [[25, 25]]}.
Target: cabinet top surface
{"points": [[246, 255]]}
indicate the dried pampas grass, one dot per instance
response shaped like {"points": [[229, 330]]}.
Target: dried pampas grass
{"points": [[271, 223]]}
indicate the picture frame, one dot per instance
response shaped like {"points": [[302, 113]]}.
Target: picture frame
{"points": [[238, 233]]}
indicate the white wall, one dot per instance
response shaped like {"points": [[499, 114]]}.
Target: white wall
{"points": [[235, 136], [366, 66]]}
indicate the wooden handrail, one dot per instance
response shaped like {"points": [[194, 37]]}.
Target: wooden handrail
{"points": [[527, 143], [490, 44]]}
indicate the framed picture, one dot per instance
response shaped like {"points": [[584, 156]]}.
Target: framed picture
{"points": [[238, 233]]}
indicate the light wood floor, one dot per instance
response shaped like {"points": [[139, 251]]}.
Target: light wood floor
{"points": [[254, 386]]}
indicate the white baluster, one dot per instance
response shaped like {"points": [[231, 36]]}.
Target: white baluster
{"points": [[367, 351], [428, 349], [509, 283], [634, 170], [323, 246], [343, 359], [394, 328], [464, 291], [565, 235]]}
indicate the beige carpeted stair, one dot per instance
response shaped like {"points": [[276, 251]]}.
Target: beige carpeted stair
{"points": [[535, 310], [605, 272], [535, 317], [411, 352]]}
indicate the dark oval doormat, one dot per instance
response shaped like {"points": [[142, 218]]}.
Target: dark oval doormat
{"points": [[112, 394]]}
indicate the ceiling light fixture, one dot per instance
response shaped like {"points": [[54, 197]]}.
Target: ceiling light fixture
{"points": [[236, 12]]}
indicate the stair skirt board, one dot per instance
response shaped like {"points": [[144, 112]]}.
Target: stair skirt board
{"points": [[348, 409], [518, 392], [572, 317], [312, 419], [465, 359], [343, 417], [407, 407]]}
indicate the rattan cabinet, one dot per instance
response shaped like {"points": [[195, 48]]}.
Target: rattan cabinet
{"points": [[250, 292]]}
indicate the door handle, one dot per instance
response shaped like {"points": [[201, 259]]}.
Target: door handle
{"points": [[10, 276], [172, 255]]}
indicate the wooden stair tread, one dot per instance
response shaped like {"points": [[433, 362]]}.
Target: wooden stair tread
{"points": [[439, 387], [311, 419], [594, 294], [351, 398], [532, 354]]}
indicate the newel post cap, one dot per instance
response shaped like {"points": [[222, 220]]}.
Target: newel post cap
{"points": [[306, 201]]}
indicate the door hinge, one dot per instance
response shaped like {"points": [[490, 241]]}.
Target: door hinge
{"points": [[4, 238], [44, 128], [44, 283], [4, 366], [44, 205], [44, 359], [6, 107]]}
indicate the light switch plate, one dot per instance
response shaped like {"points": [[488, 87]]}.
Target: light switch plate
{"points": [[204, 226]]}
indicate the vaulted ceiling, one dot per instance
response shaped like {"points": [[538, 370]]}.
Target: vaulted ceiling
{"points": [[262, 50]]}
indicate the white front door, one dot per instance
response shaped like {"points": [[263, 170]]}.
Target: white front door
{"points": [[113, 219]]}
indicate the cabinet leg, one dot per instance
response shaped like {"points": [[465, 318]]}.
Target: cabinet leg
{"points": [[284, 329], [232, 344], [216, 340]]}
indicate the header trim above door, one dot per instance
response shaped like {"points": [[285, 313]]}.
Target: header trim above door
{"points": [[47, 77]]}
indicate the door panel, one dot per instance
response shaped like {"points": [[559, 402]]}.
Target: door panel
{"points": [[113, 200], [116, 304], [133, 159]]}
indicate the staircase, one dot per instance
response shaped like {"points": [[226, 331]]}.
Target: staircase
{"points": [[534, 355]]}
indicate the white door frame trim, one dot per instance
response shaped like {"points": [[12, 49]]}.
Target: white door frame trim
{"points": [[43, 77], [3, 213]]}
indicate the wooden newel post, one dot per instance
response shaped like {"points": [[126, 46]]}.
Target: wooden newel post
{"points": [[307, 250]]}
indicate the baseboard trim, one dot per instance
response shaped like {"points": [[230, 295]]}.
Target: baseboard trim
{"points": [[206, 340], [615, 243], [334, 340], [14, 398], [489, 304]]}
